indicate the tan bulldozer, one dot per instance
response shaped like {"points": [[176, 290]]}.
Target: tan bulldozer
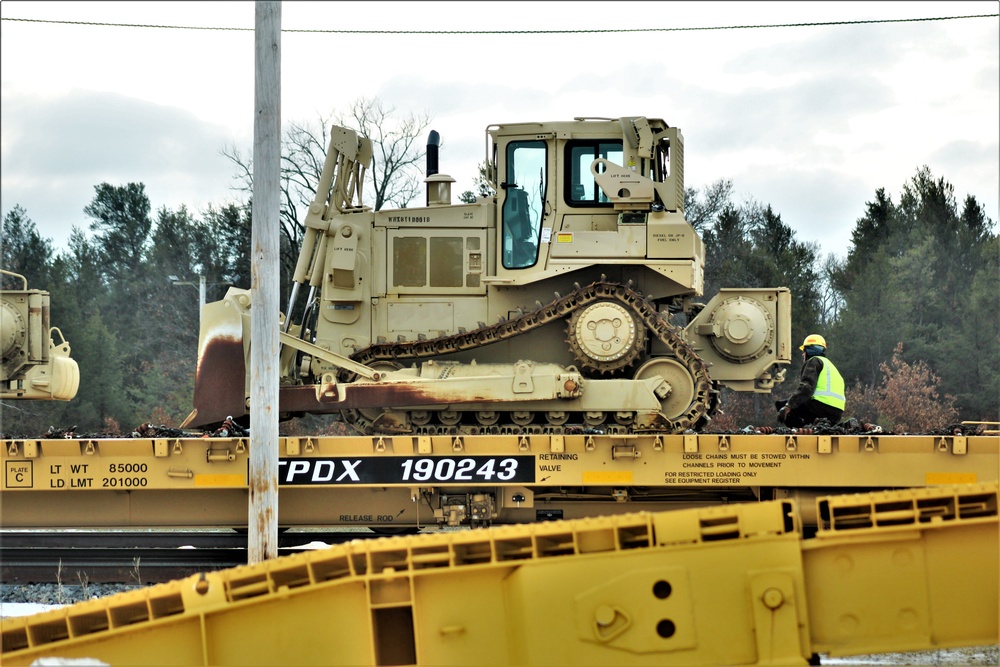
{"points": [[568, 300]]}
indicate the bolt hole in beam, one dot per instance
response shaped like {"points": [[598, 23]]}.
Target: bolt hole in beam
{"points": [[662, 589], [666, 628]]}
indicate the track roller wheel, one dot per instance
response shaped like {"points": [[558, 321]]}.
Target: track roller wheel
{"points": [[487, 417], [678, 391], [624, 418], [368, 415], [557, 418], [420, 417], [449, 417], [522, 417]]}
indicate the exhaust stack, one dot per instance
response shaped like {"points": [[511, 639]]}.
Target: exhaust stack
{"points": [[438, 185]]}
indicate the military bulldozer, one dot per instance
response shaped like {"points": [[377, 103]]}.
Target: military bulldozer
{"points": [[33, 366], [568, 300]]}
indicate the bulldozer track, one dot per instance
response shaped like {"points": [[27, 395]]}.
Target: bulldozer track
{"points": [[705, 400]]}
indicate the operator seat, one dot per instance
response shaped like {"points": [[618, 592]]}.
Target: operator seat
{"points": [[517, 222]]}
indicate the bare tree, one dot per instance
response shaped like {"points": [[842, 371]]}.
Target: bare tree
{"points": [[831, 301], [395, 174], [394, 178], [295, 190], [702, 207], [483, 182]]}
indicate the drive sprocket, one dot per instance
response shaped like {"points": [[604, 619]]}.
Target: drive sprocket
{"points": [[605, 337]]}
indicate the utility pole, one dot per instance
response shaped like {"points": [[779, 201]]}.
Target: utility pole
{"points": [[202, 285], [264, 286]]}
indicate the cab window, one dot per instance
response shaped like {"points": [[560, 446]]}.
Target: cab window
{"points": [[581, 190]]}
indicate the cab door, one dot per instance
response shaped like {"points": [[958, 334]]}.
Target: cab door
{"points": [[522, 193]]}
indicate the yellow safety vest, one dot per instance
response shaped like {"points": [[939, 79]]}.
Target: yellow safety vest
{"points": [[830, 385]]}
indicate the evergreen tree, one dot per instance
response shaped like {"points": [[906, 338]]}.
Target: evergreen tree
{"points": [[24, 251], [727, 245], [871, 235], [916, 274], [223, 242], [121, 226], [976, 351], [778, 260], [102, 399]]}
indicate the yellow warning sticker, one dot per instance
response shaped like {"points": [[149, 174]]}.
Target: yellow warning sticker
{"points": [[949, 478], [219, 480], [564, 237], [607, 477]]}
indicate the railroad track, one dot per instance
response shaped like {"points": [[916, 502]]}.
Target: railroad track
{"points": [[133, 557]]}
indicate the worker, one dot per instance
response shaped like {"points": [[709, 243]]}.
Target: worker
{"points": [[820, 394]]}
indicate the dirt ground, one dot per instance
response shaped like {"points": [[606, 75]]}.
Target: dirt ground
{"points": [[980, 655]]}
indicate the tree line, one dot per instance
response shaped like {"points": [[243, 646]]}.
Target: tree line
{"points": [[910, 312], [911, 307]]}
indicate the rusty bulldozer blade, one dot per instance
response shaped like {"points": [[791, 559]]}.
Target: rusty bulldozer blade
{"points": [[220, 379]]}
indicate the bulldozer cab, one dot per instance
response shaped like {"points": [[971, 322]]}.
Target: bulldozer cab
{"points": [[582, 192]]}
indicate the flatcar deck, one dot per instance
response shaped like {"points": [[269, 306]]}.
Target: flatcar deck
{"points": [[402, 481]]}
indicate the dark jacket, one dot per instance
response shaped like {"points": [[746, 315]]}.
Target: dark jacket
{"points": [[807, 383], [802, 408]]}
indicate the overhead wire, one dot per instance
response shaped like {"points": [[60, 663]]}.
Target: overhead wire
{"points": [[506, 32]]}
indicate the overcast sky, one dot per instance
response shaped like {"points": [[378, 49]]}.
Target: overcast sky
{"points": [[811, 120]]}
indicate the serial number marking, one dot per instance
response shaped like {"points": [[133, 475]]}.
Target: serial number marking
{"points": [[407, 469]]}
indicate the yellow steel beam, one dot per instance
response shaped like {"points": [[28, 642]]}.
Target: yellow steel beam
{"points": [[735, 585]]}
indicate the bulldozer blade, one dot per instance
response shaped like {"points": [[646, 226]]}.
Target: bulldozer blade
{"points": [[220, 379]]}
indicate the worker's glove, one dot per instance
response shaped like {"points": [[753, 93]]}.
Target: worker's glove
{"points": [[778, 405], [782, 413]]}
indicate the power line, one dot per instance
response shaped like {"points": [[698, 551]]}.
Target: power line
{"points": [[511, 32]]}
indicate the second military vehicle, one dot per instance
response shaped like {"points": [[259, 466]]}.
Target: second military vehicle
{"points": [[569, 300], [33, 366]]}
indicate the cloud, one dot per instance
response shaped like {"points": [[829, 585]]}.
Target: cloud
{"points": [[789, 116], [977, 164], [57, 149], [966, 153], [820, 50], [819, 205]]}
